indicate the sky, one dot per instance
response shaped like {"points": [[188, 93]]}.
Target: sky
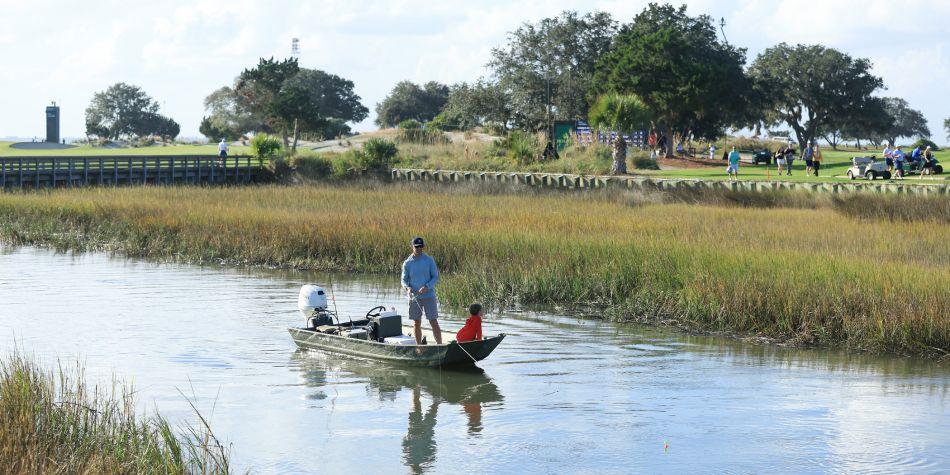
{"points": [[180, 51]]}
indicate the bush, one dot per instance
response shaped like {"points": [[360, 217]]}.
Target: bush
{"points": [[312, 165], [412, 131], [643, 163], [924, 143], [523, 147], [377, 155], [265, 146], [495, 128]]}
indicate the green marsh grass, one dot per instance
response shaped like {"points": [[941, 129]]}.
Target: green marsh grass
{"points": [[55, 422], [812, 269]]}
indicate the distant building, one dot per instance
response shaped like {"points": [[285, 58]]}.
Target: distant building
{"points": [[52, 123]]}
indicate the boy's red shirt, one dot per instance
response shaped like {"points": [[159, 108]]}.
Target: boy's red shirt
{"points": [[472, 329]]}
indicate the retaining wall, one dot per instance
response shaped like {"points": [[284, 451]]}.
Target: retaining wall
{"points": [[568, 181]]}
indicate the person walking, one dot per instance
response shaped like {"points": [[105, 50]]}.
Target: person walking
{"points": [[789, 158], [733, 169], [419, 277], [899, 157], [816, 159], [807, 154], [780, 159]]}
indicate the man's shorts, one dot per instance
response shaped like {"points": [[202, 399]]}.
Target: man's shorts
{"points": [[732, 169], [223, 154], [419, 306], [899, 165], [780, 162]]}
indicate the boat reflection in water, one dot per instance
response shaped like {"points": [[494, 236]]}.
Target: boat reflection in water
{"points": [[468, 387]]}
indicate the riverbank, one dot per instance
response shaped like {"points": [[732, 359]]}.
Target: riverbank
{"points": [[868, 273], [53, 421]]}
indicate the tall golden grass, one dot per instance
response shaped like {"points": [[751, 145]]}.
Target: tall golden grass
{"points": [[815, 270], [54, 422]]}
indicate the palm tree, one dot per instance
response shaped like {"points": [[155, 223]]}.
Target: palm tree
{"points": [[619, 112]]}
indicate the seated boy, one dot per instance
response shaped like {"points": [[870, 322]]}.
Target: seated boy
{"points": [[473, 326]]}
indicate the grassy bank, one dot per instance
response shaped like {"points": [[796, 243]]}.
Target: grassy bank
{"points": [[54, 422], [86, 150], [868, 273]]}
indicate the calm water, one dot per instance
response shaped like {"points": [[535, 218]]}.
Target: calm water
{"points": [[560, 395]]}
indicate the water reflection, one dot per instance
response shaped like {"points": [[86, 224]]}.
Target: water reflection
{"points": [[468, 389]]}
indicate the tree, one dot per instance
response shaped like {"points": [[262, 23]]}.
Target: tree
{"points": [[691, 82], [946, 126], [553, 62], [312, 98], [408, 100], [122, 110], [289, 100], [164, 127], [471, 105], [907, 122], [811, 87], [230, 116], [870, 123], [621, 113]]}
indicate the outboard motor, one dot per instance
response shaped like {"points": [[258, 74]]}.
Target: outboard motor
{"points": [[312, 304]]}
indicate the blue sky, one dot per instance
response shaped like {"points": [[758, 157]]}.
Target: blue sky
{"points": [[181, 51]]}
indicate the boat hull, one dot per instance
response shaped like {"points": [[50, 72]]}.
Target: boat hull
{"points": [[450, 354]]}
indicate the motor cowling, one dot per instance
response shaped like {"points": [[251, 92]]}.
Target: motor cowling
{"points": [[312, 298]]}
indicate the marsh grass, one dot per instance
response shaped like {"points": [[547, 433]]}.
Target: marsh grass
{"points": [[55, 422], [806, 268]]}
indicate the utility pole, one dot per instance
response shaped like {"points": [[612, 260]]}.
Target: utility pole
{"points": [[722, 28]]}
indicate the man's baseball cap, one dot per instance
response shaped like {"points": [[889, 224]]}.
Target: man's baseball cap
{"points": [[418, 242]]}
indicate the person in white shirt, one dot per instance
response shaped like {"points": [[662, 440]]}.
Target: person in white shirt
{"points": [[223, 149], [712, 152]]}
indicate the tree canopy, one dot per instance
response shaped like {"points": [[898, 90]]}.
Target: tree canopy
{"points": [[946, 126], [408, 100], [473, 104], [126, 111], [281, 97], [906, 122], [621, 112], [691, 82], [555, 57], [811, 87]]}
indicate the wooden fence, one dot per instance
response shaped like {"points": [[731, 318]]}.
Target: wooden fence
{"points": [[49, 172], [568, 181]]}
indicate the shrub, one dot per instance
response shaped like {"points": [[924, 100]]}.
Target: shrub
{"points": [[411, 131], [924, 143], [377, 155], [522, 146], [265, 146], [643, 163], [312, 165], [495, 128]]}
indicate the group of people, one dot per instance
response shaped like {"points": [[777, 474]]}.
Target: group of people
{"points": [[918, 159], [420, 274], [811, 155]]}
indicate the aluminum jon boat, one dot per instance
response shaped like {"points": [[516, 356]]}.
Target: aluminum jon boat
{"points": [[380, 335]]}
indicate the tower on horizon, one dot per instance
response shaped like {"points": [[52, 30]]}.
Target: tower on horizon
{"points": [[295, 48], [52, 123]]}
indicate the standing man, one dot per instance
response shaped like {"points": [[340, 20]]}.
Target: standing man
{"points": [[712, 151], [899, 157], [733, 168], [419, 276], [222, 149]]}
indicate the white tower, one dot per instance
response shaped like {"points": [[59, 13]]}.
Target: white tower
{"points": [[295, 48]]}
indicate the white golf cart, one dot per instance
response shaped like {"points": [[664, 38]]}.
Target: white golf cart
{"points": [[866, 167]]}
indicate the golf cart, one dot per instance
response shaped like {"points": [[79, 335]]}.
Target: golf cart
{"points": [[761, 156], [866, 167], [923, 167]]}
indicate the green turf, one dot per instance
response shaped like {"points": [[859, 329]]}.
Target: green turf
{"points": [[833, 169], [88, 150]]}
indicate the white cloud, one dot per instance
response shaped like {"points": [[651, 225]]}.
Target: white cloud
{"points": [[179, 51]]}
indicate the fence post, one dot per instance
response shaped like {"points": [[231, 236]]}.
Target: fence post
{"points": [[3, 177]]}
